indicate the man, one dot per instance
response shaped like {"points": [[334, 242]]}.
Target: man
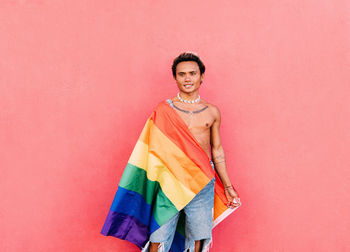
{"points": [[203, 120], [166, 194]]}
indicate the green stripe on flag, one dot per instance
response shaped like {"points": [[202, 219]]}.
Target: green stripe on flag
{"points": [[135, 179]]}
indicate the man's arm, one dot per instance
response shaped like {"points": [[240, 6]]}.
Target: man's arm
{"points": [[218, 155]]}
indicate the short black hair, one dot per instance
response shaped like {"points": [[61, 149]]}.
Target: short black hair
{"points": [[187, 56]]}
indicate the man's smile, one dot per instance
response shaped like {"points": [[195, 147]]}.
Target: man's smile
{"points": [[188, 85]]}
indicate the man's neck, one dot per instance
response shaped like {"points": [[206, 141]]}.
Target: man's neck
{"points": [[189, 96]]}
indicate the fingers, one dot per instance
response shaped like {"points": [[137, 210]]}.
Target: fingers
{"points": [[234, 203], [233, 199], [238, 200]]}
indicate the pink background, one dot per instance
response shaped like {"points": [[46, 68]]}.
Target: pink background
{"points": [[79, 78]]}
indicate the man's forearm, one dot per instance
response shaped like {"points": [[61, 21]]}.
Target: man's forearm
{"points": [[220, 165]]}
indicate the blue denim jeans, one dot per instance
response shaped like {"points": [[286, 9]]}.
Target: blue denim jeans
{"points": [[199, 218]]}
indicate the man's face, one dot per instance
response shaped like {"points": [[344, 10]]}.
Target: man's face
{"points": [[188, 77]]}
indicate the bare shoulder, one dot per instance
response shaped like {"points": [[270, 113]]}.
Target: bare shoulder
{"points": [[214, 110]]}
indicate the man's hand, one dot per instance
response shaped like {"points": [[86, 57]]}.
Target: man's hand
{"points": [[231, 194]]}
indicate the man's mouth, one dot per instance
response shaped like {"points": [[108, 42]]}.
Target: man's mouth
{"points": [[188, 85]]}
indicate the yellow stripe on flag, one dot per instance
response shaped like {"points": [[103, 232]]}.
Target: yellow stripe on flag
{"points": [[176, 192]]}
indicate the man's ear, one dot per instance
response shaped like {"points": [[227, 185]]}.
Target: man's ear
{"points": [[202, 77]]}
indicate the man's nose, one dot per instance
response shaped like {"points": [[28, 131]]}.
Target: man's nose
{"points": [[187, 77]]}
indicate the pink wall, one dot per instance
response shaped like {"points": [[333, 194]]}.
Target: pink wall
{"points": [[79, 78]]}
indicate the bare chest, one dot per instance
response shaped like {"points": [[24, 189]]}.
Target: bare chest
{"points": [[198, 120]]}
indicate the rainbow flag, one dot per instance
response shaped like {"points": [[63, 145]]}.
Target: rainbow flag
{"points": [[165, 171]]}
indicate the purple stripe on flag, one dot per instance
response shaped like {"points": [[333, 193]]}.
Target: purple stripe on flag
{"points": [[125, 227]]}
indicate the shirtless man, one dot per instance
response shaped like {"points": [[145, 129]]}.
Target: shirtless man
{"points": [[202, 119]]}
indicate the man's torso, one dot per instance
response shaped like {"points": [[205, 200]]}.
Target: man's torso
{"points": [[199, 122]]}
